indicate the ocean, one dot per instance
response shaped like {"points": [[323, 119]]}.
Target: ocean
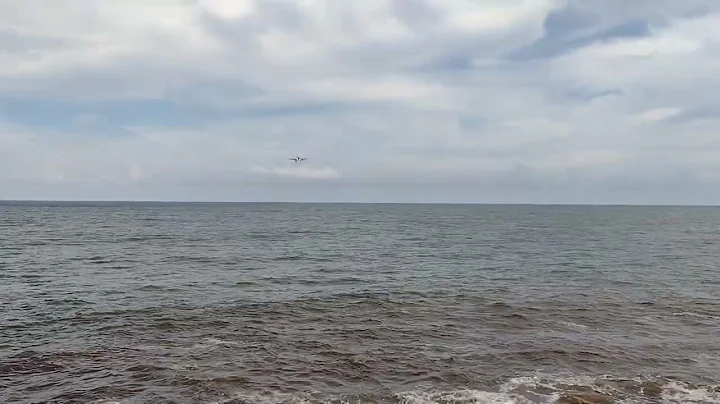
{"points": [[378, 303]]}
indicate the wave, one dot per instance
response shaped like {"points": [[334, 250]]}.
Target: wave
{"points": [[524, 390], [698, 315], [242, 387], [521, 390]]}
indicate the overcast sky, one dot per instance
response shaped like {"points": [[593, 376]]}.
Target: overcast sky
{"points": [[538, 101]]}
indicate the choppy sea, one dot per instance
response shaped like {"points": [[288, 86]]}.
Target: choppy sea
{"points": [[312, 303]]}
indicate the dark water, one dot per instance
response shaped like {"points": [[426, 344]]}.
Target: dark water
{"points": [[245, 303]]}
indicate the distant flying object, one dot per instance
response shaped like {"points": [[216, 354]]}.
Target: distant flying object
{"points": [[298, 159]]}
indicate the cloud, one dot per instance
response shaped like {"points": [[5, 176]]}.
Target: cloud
{"points": [[457, 100], [657, 115], [298, 171]]}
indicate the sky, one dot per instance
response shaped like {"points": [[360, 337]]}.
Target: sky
{"points": [[460, 101]]}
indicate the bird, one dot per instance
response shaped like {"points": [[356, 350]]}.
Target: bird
{"points": [[298, 159]]}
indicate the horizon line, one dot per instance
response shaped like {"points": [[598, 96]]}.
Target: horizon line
{"points": [[228, 202]]}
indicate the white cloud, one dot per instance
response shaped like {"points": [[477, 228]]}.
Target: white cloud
{"points": [[136, 172], [683, 52], [229, 9], [299, 171], [495, 16], [179, 93], [410, 92], [656, 115]]}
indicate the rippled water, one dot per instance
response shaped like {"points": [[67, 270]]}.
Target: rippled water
{"points": [[245, 303]]}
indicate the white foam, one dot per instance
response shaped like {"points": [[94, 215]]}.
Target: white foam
{"points": [[536, 389], [550, 382], [574, 325], [675, 392], [212, 343], [691, 314], [410, 397], [461, 396], [672, 392], [270, 397], [216, 341]]}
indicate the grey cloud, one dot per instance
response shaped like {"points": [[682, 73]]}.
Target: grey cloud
{"points": [[569, 30], [657, 12], [585, 94], [428, 49], [697, 114], [582, 23], [420, 15], [12, 41]]}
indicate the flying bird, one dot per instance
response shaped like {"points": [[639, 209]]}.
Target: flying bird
{"points": [[298, 159]]}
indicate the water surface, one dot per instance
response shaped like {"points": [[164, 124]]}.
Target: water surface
{"points": [[244, 303]]}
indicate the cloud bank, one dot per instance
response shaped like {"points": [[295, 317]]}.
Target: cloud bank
{"points": [[316, 173], [540, 101]]}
